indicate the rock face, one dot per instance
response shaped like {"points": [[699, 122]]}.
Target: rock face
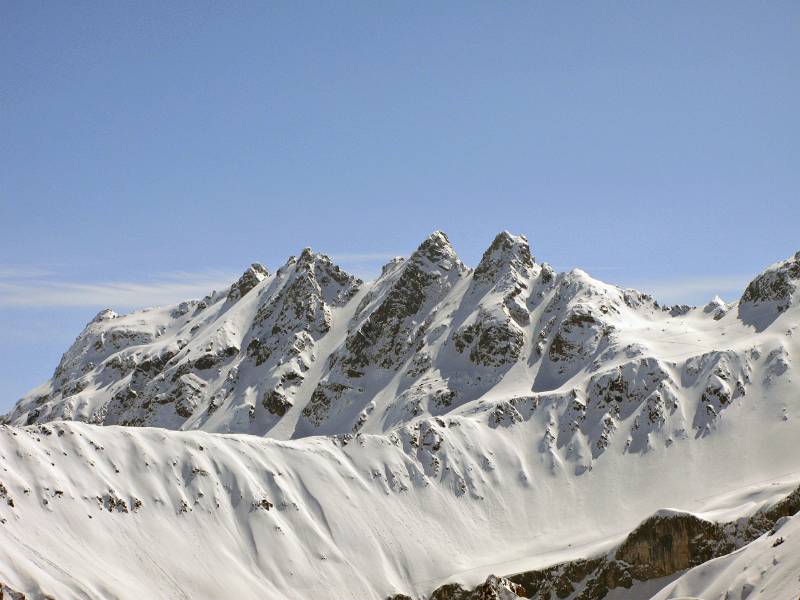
{"points": [[777, 284], [312, 350], [494, 588], [386, 338], [495, 336], [670, 542], [254, 275], [664, 544], [770, 293], [6, 592]]}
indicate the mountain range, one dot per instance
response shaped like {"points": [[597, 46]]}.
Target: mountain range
{"points": [[441, 432]]}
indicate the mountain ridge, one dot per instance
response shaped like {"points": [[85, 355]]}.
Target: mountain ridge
{"points": [[418, 433], [427, 337]]}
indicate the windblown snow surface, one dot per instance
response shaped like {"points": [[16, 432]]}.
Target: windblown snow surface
{"points": [[305, 434]]}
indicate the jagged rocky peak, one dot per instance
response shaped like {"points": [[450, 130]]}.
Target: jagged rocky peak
{"points": [[336, 285], [424, 277], [436, 252], [398, 316], [777, 283], [716, 307], [308, 287], [494, 335], [508, 253], [771, 293], [255, 274]]}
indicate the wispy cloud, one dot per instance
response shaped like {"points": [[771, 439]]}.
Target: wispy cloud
{"points": [[22, 272], [693, 290], [23, 290]]}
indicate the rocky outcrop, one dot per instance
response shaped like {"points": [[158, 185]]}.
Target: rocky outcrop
{"points": [[668, 542], [395, 320], [495, 336], [506, 262], [254, 275], [663, 544], [494, 588], [490, 342], [8, 593], [776, 284], [770, 293], [387, 335]]}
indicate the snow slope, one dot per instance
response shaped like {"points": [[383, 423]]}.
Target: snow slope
{"points": [[437, 425], [110, 512]]}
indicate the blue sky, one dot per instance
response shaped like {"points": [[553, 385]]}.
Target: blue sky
{"points": [[148, 153]]}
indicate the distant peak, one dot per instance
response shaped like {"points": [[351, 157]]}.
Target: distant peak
{"points": [[716, 301], [717, 307]]}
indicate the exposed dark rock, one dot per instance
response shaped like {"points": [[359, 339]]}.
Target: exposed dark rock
{"points": [[258, 351], [548, 274], [8, 593], [506, 252], [276, 402], [494, 588], [205, 362], [490, 343], [770, 293], [383, 339], [678, 310], [324, 395], [663, 544], [577, 336], [775, 284], [262, 504], [254, 275]]}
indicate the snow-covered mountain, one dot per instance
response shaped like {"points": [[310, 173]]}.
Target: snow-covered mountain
{"points": [[414, 434], [312, 350]]}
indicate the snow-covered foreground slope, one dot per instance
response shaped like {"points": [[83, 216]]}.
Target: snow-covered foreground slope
{"points": [[107, 512], [435, 426]]}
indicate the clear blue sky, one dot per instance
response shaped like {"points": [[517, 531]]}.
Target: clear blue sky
{"points": [[150, 152]]}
